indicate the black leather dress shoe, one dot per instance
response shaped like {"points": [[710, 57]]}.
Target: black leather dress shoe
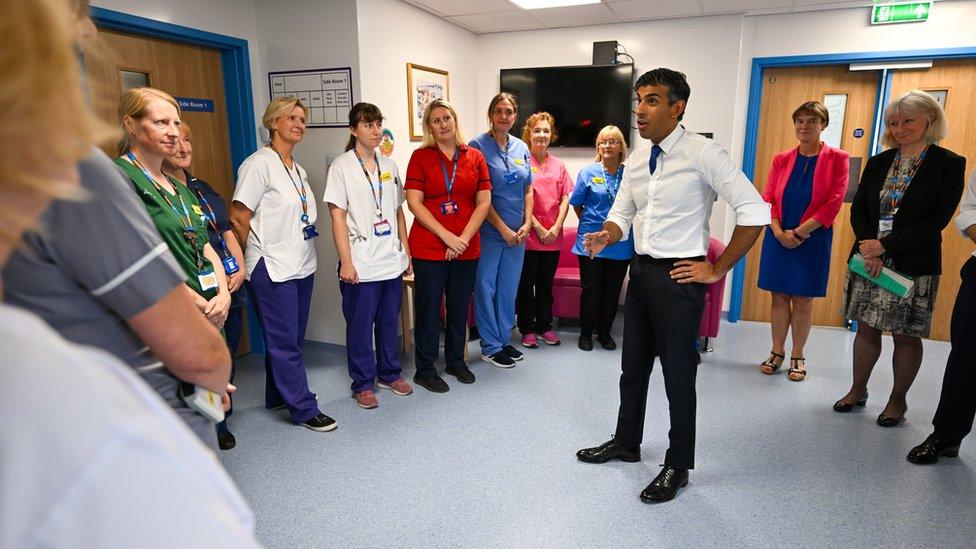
{"points": [[930, 451], [607, 342], [609, 451], [432, 383], [665, 486], [586, 343], [843, 407], [226, 440]]}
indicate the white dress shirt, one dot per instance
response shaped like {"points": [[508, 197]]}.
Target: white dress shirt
{"points": [[967, 208], [670, 208], [90, 456]]}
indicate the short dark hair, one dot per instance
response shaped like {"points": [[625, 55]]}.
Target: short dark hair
{"points": [[674, 81], [362, 112]]}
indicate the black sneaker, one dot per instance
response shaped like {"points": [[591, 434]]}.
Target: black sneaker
{"points": [[432, 383], [513, 353], [321, 423], [462, 373], [499, 359], [226, 440]]}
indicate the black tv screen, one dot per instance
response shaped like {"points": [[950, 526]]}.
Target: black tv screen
{"points": [[582, 99]]}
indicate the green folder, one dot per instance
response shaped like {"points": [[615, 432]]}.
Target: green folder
{"points": [[889, 279]]}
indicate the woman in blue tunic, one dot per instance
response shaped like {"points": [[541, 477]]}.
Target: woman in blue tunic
{"points": [[805, 188], [503, 237]]}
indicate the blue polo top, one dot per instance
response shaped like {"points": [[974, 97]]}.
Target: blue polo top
{"points": [[508, 198], [595, 190]]}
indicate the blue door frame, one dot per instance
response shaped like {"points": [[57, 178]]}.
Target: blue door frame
{"points": [[236, 65], [759, 64]]}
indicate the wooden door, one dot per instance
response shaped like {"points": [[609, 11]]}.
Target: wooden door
{"points": [[784, 89], [958, 79], [180, 70]]}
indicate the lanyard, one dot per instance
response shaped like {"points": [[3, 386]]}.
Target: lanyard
{"points": [[449, 183], [508, 145], [211, 215], [611, 190], [298, 189], [900, 182], [372, 190]]}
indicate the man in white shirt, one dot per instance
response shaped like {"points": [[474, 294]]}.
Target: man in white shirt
{"points": [[667, 194]]}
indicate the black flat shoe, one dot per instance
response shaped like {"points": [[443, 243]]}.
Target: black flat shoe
{"points": [[586, 343], [843, 407], [321, 423], [886, 421], [665, 486], [609, 451], [607, 342], [463, 374], [930, 451], [433, 384], [226, 440]]}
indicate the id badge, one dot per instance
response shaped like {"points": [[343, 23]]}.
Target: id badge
{"points": [[230, 265], [208, 280], [511, 177], [382, 228], [886, 224], [309, 232], [449, 207]]}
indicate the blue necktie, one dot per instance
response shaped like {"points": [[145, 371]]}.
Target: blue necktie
{"points": [[655, 152]]}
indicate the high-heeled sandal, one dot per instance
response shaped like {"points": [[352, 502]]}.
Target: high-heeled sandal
{"points": [[798, 371], [768, 366]]}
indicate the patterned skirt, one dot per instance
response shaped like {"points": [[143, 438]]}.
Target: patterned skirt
{"points": [[865, 301]]}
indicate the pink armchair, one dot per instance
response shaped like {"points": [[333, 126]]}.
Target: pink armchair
{"points": [[566, 286], [714, 295]]}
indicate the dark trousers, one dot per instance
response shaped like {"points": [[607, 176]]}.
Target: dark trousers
{"points": [[233, 327], [372, 308], [957, 405], [283, 311], [433, 280], [601, 280], [661, 318], [533, 303]]}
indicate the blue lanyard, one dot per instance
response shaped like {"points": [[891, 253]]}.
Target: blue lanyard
{"points": [[188, 228], [508, 145], [449, 183], [300, 190], [900, 182], [211, 215], [378, 203], [611, 191]]}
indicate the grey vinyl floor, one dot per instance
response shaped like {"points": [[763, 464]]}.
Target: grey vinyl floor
{"points": [[493, 464]]}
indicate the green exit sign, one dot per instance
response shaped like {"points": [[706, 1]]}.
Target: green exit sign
{"points": [[907, 12]]}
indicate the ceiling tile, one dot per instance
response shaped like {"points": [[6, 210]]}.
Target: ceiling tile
{"points": [[632, 10], [591, 14], [497, 22], [742, 6], [450, 8]]}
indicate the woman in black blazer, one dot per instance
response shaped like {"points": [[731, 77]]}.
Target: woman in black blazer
{"points": [[907, 195]]}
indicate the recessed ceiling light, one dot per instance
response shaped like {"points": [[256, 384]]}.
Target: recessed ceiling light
{"points": [[541, 4]]}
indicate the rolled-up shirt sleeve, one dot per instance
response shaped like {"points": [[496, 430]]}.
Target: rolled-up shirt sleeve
{"points": [[624, 208], [967, 209], [732, 185]]}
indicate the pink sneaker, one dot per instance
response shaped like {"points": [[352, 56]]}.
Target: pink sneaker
{"points": [[550, 338], [366, 399], [399, 387], [529, 341]]}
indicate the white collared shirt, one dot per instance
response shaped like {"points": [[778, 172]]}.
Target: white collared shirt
{"points": [[669, 210], [967, 208]]}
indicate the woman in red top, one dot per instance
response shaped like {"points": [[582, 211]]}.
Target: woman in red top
{"points": [[449, 193]]}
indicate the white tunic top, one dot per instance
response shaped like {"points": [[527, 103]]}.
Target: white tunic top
{"points": [[375, 257], [264, 186]]}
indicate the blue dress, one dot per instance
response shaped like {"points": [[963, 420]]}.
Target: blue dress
{"points": [[801, 271]]}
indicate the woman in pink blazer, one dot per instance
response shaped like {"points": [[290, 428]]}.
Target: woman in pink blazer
{"points": [[806, 187]]}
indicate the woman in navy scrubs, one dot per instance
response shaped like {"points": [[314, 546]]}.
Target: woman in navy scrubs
{"points": [[503, 237]]}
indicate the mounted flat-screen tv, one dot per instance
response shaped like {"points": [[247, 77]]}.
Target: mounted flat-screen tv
{"points": [[582, 99]]}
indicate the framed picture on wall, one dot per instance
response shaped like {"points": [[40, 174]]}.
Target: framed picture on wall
{"points": [[424, 85]]}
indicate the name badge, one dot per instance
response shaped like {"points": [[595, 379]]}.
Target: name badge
{"points": [[886, 224], [449, 207], [230, 265], [385, 176], [309, 232], [519, 162], [382, 228], [511, 177], [208, 280], [535, 170], [598, 180], [197, 210]]}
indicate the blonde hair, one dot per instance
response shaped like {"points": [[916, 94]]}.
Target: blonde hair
{"points": [[278, 107], [133, 104], [429, 140], [503, 96], [611, 132], [535, 119], [40, 145], [185, 131], [920, 102]]}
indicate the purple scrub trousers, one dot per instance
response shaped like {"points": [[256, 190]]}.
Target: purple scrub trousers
{"points": [[372, 308], [282, 308]]}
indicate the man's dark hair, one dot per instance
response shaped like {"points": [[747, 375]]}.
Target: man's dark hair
{"points": [[673, 81]]}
